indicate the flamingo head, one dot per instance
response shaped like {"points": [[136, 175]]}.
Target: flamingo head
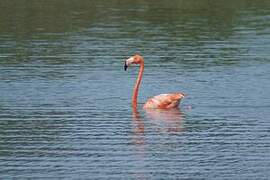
{"points": [[136, 59]]}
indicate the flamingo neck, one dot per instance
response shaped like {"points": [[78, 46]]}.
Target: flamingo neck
{"points": [[137, 85]]}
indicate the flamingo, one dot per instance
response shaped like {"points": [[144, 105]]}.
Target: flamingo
{"points": [[162, 101]]}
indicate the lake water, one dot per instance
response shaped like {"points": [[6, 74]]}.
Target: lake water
{"points": [[65, 100]]}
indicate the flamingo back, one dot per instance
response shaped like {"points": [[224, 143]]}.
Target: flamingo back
{"points": [[164, 101]]}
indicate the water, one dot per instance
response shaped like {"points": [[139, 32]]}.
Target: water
{"points": [[65, 104]]}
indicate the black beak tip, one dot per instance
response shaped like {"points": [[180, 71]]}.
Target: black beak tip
{"points": [[125, 66]]}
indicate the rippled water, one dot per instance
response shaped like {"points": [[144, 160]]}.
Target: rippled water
{"points": [[65, 107]]}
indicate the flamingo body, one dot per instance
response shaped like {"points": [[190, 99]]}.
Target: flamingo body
{"points": [[164, 101]]}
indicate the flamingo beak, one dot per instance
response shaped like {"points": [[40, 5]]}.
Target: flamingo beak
{"points": [[128, 62], [125, 66]]}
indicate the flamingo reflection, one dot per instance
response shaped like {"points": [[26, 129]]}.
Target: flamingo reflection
{"points": [[170, 120], [138, 127], [139, 136], [167, 120]]}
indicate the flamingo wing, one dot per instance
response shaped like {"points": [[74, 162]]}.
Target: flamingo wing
{"points": [[164, 101]]}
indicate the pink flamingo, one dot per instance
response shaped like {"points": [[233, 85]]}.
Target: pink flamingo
{"points": [[162, 101]]}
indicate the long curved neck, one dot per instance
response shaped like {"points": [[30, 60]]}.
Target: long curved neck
{"points": [[137, 85]]}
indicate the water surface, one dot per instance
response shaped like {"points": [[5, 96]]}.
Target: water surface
{"points": [[65, 100]]}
